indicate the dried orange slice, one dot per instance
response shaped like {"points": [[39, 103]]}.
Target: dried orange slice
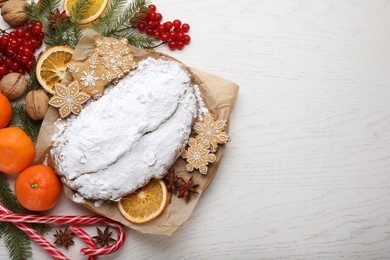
{"points": [[51, 66], [145, 204], [94, 11]]}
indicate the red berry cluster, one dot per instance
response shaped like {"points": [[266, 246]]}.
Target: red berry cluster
{"points": [[18, 47], [174, 33]]}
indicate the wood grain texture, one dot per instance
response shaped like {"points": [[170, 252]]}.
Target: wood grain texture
{"points": [[307, 174]]}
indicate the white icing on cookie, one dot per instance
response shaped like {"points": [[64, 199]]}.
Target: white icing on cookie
{"points": [[130, 135]]}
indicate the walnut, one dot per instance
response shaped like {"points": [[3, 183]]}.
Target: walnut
{"points": [[13, 13], [2, 2], [37, 103], [13, 86]]}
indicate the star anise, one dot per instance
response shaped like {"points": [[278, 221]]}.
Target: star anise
{"points": [[64, 238], [173, 183], [104, 237], [57, 16], [187, 188]]}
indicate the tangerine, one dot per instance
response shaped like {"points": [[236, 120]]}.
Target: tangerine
{"points": [[17, 151], [38, 188], [5, 111]]}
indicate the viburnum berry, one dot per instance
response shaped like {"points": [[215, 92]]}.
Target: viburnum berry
{"points": [[28, 36], [152, 16], [179, 45], [30, 64], [3, 70], [141, 26], [172, 45], [164, 37], [37, 29], [9, 52], [25, 59], [158, 17], [161, 28], [4, 40], [12, 35], [180, 36], [168, 25], [187, 39], [176, 23], [185, 27], [149, 31], [172, 36], [20, 32]]}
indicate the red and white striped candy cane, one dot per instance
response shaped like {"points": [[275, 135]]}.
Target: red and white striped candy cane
{"points": [[91, 251]]}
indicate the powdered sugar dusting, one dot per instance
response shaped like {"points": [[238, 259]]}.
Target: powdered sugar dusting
{"points": [[130, 135], [202, 107]]}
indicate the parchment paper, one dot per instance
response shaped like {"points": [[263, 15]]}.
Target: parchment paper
{"points": [[219, 96]]}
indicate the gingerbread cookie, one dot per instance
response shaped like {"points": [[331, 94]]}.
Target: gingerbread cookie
{"points": [[91, 75], [115, 56], [211, 130], [198, 156], [68, 99]]}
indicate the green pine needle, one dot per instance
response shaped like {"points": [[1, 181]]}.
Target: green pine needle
{"points": [[17, 243], [103, 24], [79, 9], [7, 197], [137, 39], [33, 12], [22, 120]]}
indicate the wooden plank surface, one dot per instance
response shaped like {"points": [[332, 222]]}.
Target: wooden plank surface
{"points": [[307, 174]]}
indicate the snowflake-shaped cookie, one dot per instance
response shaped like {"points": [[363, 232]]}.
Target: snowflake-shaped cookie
{"points": [[91, 75], [211, 131], [198, 156], [115, 56], [68, 99]]}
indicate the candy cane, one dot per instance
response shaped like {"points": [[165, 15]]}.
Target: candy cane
{"points": [[85, 237], [19, 219]]}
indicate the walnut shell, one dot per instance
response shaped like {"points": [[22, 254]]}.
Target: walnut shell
{"points": [[2, 2], [37, 103], [13, 13], [13, 86]]}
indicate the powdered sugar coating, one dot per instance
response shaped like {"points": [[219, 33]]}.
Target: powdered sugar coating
{"points": [[131, 134]]}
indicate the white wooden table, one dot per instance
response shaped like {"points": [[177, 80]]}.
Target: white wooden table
{"points": [[307, 174]]}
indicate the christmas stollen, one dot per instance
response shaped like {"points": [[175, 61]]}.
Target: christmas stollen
{"points": [[219, 96]]}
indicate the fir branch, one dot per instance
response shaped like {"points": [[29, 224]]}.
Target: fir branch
{"points": [[68, 32], [124, 19], [136, 39], [117, 20], [59, 35], [16, 242], [22, 120], [8, 198], [33, 12], [79, 9], [47, 7], [104, 22]]}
